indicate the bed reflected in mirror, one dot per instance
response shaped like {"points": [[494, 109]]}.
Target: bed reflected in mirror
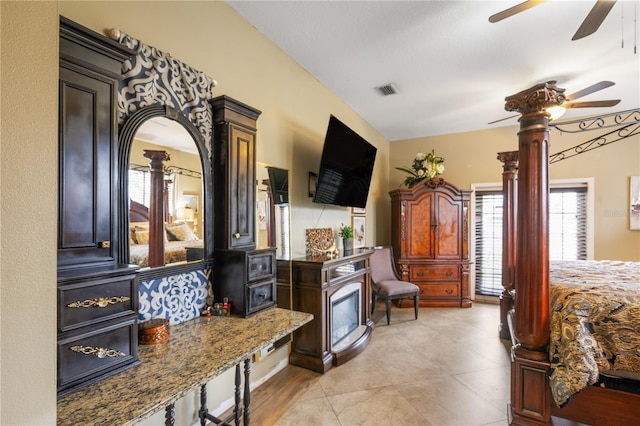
{"points": [[165, 187]]}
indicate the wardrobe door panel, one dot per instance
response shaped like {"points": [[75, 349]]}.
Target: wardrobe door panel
{"points": [[448, 228], [421, 223], [85, 201], [242, 188]]}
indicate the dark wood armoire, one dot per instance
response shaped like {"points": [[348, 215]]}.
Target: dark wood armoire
{"points": [[97, 296], [430, 239]]}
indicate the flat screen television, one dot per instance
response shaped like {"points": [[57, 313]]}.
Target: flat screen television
{"points": [[279, 184], [346, 166]]}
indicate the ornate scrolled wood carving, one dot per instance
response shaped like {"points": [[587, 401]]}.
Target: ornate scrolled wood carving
{"points": [[435, 182], [535, 99], [403, 221], [509, 159]]}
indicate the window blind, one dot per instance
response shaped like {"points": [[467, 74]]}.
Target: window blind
{"points": [[140, 187], [567, 233]]}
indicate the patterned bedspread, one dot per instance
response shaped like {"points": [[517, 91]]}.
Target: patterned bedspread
{"points": [[174, 251], [595, 323]]}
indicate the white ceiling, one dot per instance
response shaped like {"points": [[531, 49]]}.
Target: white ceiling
{"points": [[451, 67]]}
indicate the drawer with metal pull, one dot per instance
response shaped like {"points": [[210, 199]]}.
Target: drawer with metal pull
{"points": [[260, 296], [260, 265], [434, 272], [440, 291], [91, 354], [85, 303]]}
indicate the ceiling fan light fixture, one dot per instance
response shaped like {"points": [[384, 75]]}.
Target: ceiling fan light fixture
{"points": [[556, 111]]}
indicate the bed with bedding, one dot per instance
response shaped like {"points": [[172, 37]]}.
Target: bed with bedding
{"points": [[180, 242], [594, 324], [575, 326]]}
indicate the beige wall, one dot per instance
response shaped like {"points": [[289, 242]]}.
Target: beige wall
{"points": [[29, 152], [471, 158]]}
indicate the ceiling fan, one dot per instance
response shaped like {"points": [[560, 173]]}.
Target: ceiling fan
{"points": [[569, 102], [589, 26]]}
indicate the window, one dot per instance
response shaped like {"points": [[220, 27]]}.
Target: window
{"points": [[568, 231], [140, 186], [488, 237]]}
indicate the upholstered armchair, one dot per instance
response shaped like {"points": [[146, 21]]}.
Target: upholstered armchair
{"points": [[386, 283]]}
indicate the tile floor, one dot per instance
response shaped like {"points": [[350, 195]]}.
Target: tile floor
{"points": [[447, 368]]}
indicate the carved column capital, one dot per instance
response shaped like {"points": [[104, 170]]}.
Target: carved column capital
{"points": [[509, 160], [535, 99], [156, 157]]}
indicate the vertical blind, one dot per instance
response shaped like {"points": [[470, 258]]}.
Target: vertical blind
{"points": [[140, 188], [567, 233]]}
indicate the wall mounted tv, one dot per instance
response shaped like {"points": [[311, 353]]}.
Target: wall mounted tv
{"points": [[279, 183], [346, 167]]}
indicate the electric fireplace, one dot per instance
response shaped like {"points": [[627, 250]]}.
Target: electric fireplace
{"points": [[338, 294], [345, 314]]}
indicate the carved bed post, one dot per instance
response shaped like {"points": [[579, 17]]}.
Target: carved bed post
{"points": [[530, 394], [509, 189], [156, 207]]}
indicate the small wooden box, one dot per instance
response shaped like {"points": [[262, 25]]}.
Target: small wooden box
{"points": [[154, 331]]}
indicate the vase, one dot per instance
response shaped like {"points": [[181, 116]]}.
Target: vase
{"points": [[347, 244]]}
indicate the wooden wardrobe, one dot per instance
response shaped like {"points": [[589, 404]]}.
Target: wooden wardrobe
{"points": [[97, 296], [430, 239]]}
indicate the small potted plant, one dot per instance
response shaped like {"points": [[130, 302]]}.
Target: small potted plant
{"points": [[346, 232]]}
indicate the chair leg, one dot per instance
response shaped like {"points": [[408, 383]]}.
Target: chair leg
{"points": [[416, 303], [388, 303], [373, 302]]}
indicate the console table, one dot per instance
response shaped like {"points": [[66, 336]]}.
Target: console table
{"points": [[197, 351], [317, 282]]}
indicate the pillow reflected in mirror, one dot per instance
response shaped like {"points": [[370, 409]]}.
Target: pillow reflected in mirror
{"points": [[181, 232]]}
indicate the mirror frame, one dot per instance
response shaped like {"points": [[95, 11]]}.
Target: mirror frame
{"points": [[127, 135]]}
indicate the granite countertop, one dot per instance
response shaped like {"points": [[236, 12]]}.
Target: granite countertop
{"points": [[196, 352]]}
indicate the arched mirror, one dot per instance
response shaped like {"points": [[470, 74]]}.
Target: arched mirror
{"points": [[272, 223], [166, 180]]}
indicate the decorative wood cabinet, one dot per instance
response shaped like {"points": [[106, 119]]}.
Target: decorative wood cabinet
{"points": [[243, 274], [234, 173], [318, 285], [247, 278], [97, 297], [430, 238]]}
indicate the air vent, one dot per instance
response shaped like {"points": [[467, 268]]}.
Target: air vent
{"points": [[387, 89]]}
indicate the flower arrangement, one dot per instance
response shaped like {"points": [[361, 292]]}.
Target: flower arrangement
{"points": [[424, 168]]}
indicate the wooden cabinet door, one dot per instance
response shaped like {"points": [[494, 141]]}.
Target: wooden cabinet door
{"points": [[241, 199], [420, 225], [86, 194], [447, 228], [234, 171]]}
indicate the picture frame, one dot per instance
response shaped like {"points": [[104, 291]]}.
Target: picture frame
{"points": [[191, 201], [634, 203], [357, 210], [359, 224]]}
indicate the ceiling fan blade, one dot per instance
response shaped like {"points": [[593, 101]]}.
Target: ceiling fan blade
{"points": [[503, 119], [591, 104], [594, 19], [589, 90], [515, 9]]}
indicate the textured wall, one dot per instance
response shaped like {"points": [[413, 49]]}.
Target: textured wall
{"points": [[29, 126]]}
